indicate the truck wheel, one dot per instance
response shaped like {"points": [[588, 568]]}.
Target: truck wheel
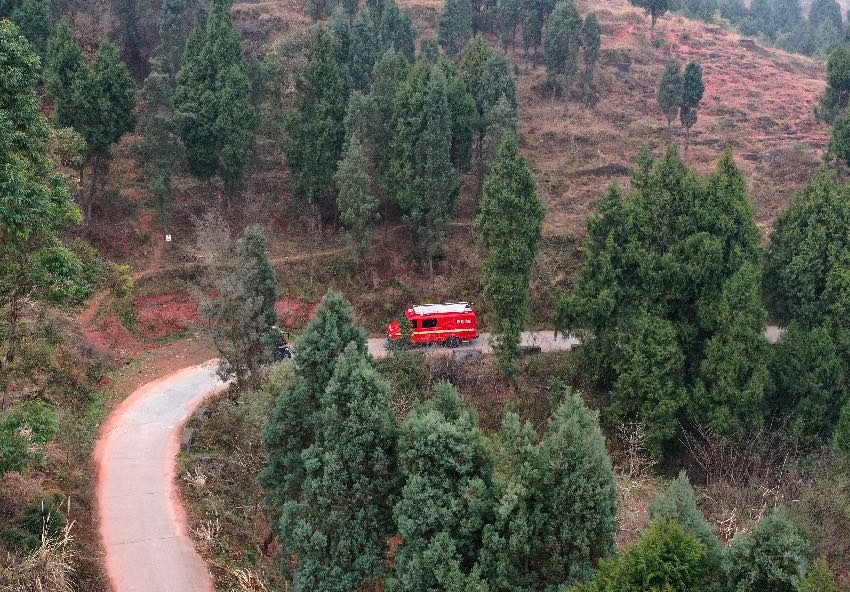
{"points": [[453, 342]]}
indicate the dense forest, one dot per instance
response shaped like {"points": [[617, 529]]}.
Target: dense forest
{"points": [[697, 439]]}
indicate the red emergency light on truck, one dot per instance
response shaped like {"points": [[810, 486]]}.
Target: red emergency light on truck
{"points": [[448, 323]]}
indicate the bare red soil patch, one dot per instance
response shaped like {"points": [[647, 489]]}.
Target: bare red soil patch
{"points": [[165, 315]]}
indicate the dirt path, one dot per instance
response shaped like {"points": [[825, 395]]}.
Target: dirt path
{"points": [[94, 337], [142, 522]]}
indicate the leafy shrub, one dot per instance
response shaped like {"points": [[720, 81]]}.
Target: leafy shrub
{"points": [[664, 558], [23, 430], [770, 557]]}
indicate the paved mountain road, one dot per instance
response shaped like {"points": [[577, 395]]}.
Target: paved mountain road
{"points": [[142, 522]]}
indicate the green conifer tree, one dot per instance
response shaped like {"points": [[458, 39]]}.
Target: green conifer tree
{"points": [[35, 21], [66, 65], [106, 100], [455, 26], [173, 34], [591, 41], [692, 90], [291, 428], [341, 525], [510, 16], [447, 496], [463, 112], [670, 90], [666, 557], [561, 47], [679, 503], [358, 209], [364, 50], [397, 30], [215, 115], [435, 182], [770, 556], [510, 225], [314, 125]]}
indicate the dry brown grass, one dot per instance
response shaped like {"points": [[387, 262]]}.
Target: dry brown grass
{"points": [[49, 568]]}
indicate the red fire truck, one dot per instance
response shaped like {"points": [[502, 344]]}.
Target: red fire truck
{"points": [[448, 323]]}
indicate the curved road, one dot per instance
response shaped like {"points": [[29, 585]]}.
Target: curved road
{"points": [[142, 523]]}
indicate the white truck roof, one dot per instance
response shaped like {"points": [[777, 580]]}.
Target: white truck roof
{"points": [[427, 309]]}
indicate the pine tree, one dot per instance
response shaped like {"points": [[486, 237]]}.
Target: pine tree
{"points": [[649, 386], [106, 100], [501, 123], [670, 90], [34, 18], [489, 78], [447, 496], [735, 380], [510, 16], [340, 26], [364, 50], [314, 125], [291, 428], [435, 182], [654, 8], [216, 118], [692, 90], [397, 30], [240, 316], [340, 527], [561, 46], [388, 75], [159, 148], [455, 26], [808, 254], [66, 65], [576, 473], [591, 41], [36, 204], [463, 112], [358, 209], [172, 34], [510, 225]]}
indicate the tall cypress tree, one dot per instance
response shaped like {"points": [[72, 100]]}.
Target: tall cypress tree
{"points": [[561, 46], [314, 125], [159, 147], [654, 8], [447, 495], [693, 88], [389, 73], [397, 30], [363, 51], [591, 41], [670, 90], [357, 207], [455, 26], [65, 66], [172, 34], [510, 225], [435, 183], [106, 100], [291, 429], [216, 118], [341, 525], [35, 21]]}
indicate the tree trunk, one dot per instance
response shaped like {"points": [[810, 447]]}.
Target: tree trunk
{"points": [[653, 16], [14, 312]]}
